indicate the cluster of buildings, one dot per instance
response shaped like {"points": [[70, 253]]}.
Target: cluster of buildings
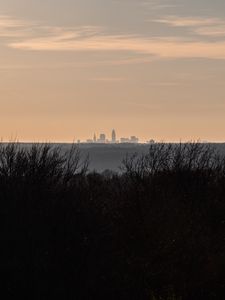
{"points": [[102, 139]]}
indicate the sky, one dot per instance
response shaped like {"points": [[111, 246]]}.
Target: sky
{"points": [[150, 68]]}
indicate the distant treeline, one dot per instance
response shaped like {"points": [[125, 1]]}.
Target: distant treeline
{"points": [[154, 231]]}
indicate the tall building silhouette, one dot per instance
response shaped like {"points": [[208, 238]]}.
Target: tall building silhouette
{"points": [[113, 136], [95, 138], [102, 138]]}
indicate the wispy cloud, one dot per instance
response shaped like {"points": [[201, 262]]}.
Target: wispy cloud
{"points": [[158, 47], [213, 31], [157, 5], [90, 38], [7, 22], [187, 21], [13, 27], [214, 27]]}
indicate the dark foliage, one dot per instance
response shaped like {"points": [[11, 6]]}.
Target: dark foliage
{"points": [[155, 231]]}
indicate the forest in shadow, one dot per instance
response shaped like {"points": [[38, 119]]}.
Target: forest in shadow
{"points": [[155, 230]]}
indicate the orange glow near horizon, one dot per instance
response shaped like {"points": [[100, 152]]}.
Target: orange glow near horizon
{"points": [[156, 73]]}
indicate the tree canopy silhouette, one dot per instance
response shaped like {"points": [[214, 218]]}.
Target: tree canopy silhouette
{"points": [[154, 231]]}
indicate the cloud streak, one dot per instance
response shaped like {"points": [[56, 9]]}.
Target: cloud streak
{"points": [[157, 5], [157, 47], [33, 37], [211, 31], [11, 27], [213, 27], [176, 21]]}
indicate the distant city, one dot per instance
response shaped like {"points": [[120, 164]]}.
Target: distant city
{"points": [[102, 139]]}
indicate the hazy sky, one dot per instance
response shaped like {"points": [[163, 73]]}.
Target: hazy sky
{"points": [[151, 68]]}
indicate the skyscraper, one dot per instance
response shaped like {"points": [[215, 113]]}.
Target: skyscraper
{"points": [[102, 138], [113, 136], [94, 139]]}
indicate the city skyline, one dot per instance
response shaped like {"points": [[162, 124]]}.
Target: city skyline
{"points": [[113, 140]]}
